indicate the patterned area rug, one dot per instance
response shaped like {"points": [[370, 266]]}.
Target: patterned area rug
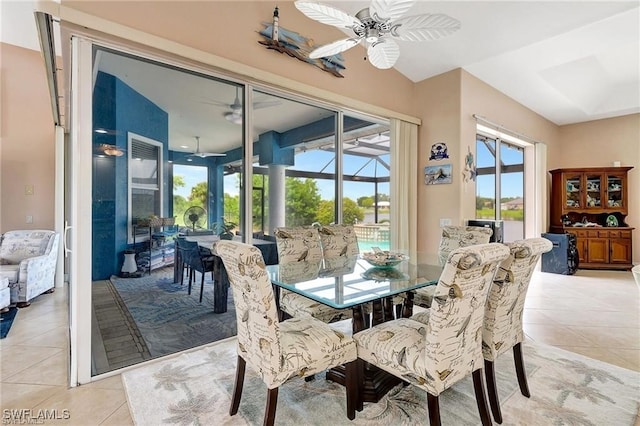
{"points": [[169, 319], [566, 389], [6, 321]]}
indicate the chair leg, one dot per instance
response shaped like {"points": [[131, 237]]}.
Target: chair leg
{"points": [[360, 383], [270, 411], [237, 387], [201, 286], [520, 372], [351, 379], [433, 405], [492, 391], [190, 277], [481, 399]]}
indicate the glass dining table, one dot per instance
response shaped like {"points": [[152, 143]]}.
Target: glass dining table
{"points": [[354, 284]]}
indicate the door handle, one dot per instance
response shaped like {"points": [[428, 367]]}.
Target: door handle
{"points": [[67, 228]]}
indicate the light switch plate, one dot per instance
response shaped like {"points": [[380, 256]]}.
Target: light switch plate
{"points": [[445, 222], [28, 190]]}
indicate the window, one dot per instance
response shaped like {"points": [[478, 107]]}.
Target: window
{"points": [[145, 181], [500, 184]]}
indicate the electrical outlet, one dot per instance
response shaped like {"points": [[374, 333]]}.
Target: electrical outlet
{"points": [[445, 222], [28, 190], [29, 219]]}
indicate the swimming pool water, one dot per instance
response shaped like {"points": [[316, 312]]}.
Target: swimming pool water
{"points": [[365, 245]]}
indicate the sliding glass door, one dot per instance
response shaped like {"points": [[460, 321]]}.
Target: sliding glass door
{"points": [[163, 151]]}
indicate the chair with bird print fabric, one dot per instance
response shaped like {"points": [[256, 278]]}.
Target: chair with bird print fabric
{"points": [[503, 313], [279, 351], [436, 348], [453, 237], [301, 244]]}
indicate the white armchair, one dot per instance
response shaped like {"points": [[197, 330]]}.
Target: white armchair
{"points": [[28, 259]]}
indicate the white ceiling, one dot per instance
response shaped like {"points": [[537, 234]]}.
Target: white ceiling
{"points": [[568, 61]]}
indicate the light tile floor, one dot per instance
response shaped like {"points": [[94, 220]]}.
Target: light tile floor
{"points": [[594, 313]]}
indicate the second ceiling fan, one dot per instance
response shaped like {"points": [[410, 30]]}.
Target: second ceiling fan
{"points": [[204, 154], [378, 26]]}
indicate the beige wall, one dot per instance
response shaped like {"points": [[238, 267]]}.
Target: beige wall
{"points": [[229, 29], [598, 144], [438, 103], [27, 133], [446, 104]]}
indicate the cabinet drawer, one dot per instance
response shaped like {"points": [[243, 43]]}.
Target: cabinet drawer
{"points": [[581, 233], [614, 234], [625, 234], [598, 233]]}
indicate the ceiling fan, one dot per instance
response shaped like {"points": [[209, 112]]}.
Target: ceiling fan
{"points": [[204, 154], [378, 25], [234, 114]]}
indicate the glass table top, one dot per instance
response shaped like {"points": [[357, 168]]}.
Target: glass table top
{"points": [[347, 282]]}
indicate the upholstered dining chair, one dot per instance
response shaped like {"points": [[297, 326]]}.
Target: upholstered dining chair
{"points": [[503, 313], [302, 244], [452, 237], [278, 351], [196, 260], [436, 348], [338, 241]]}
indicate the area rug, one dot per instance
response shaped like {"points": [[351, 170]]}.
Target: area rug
{"points": [[566, 389], [169, 319], [6, 321]]}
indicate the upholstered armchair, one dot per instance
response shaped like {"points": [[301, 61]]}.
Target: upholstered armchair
{"points": [[301, 244], [28, 259], [279, 351], [503, 313], [437, 348], [453, 237]]}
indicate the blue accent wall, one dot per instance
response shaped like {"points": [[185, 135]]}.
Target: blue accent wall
{"points": [[119, 109]]}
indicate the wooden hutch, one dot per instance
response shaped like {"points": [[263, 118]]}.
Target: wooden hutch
{"points": [[592, 203]]}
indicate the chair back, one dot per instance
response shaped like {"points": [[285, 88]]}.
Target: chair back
{"points": [[454, 237], [298, 244], [19, 245], [454, 331], [505, 304], [257, 319], [191, 254], [338, 241]]}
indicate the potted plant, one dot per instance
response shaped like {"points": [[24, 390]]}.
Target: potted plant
{"points": [[224, 229]]}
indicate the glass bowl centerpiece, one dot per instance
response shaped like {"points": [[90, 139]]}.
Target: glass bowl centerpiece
{"points": [[384, 259]]}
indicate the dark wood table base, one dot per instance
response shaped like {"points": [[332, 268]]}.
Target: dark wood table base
{"points": [[377, 382]]}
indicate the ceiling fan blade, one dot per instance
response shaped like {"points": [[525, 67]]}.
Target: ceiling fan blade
{"points": [[384, 53], [334, 48], [207, 154], [327, 14], [384, 10], [424, 27], [265, 104]]}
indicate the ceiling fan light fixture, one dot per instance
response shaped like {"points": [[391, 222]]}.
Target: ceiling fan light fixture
{"points": [[115, 152], [111, 150], [233, 117]]}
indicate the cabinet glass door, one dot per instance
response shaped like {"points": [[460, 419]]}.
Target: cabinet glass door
{"points": [[614, 191], [573, 200], [593, 192]]}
